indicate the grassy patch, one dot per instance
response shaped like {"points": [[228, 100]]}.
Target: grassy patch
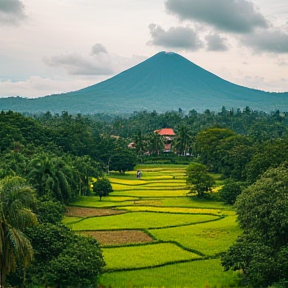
{"points": [[166, 184], [126, 181], [153, 193], [139, 220], [209, 238], [193, 202], [69, 220], [109, 201], [145, 256], [195, 274], [173, 210]]}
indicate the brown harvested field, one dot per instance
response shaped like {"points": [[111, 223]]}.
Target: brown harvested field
{"points": [[90, 212], [121, 237]]}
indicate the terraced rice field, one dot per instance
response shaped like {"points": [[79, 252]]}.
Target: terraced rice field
{"points": [[154, 234]]}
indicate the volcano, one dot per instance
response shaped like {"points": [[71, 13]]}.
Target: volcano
{"points": [[166, 81]]}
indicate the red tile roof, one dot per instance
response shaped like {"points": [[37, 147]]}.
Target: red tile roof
{"points": [[166, 132]]}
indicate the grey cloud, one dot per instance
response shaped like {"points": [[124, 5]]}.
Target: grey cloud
{"points": [[274, 41], [76, 64], [176, 37], [11, 12], [238, 16], [98, 48], [216, 43]]}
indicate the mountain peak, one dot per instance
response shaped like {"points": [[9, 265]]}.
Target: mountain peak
{"points": [[163, 82]]}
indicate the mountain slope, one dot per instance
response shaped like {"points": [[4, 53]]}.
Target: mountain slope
{"points": [[166, 81]]}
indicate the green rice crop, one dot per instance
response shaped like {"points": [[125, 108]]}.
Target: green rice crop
{"points": [[109, 201], [176, 219], [153, 193], [127, 181], [181, 181], [173, 210], [195, 274], [145, 255], [193, 202], [68, 220], [208, 238], [165, 184], [139, 220]]}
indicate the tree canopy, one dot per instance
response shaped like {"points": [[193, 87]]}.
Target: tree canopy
{"points": [[16, 199], [262, 209], [102, 187], [199, 179]]}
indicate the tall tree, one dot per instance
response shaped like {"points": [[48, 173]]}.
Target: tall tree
{"points": [[156, 144], [16, 197], [102, 187], [183, 141], [206, 144], [198, 179], [123, 160], [47, 175], [139, 145], [63, 258], [261, 251]]}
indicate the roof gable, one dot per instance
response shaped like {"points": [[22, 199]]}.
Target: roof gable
{"points": [[166, 131]]}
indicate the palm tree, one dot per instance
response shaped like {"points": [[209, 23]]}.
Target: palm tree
{"points": [[183, 140], [16, 197], [138, 139], [48, 177], [156, 144]]}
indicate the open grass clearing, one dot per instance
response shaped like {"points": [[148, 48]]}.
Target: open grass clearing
{"points": [[120, 237], [145, 256], [140, 220], [173, 210], [195, 274], [208, 238], [83, 212]]}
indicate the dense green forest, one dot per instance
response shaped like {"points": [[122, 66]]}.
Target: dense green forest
{"points": [[48, 161]]}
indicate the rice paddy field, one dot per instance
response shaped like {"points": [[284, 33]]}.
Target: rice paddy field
{"points": [[154, 233]]}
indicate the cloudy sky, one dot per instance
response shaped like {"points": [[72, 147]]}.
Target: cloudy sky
{"points": [[54, 46]]}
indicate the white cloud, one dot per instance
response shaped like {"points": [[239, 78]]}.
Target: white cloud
{"points": [[272, 40], [237, 16], [76, 64], [36, 86], [216, 43], [98, 48], [11, 12], [176, 37]]}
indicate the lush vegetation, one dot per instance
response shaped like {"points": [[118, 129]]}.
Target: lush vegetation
{"points": [[56, 158]]}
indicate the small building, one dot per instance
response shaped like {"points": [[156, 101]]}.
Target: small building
{"points": [[168, 134]]}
